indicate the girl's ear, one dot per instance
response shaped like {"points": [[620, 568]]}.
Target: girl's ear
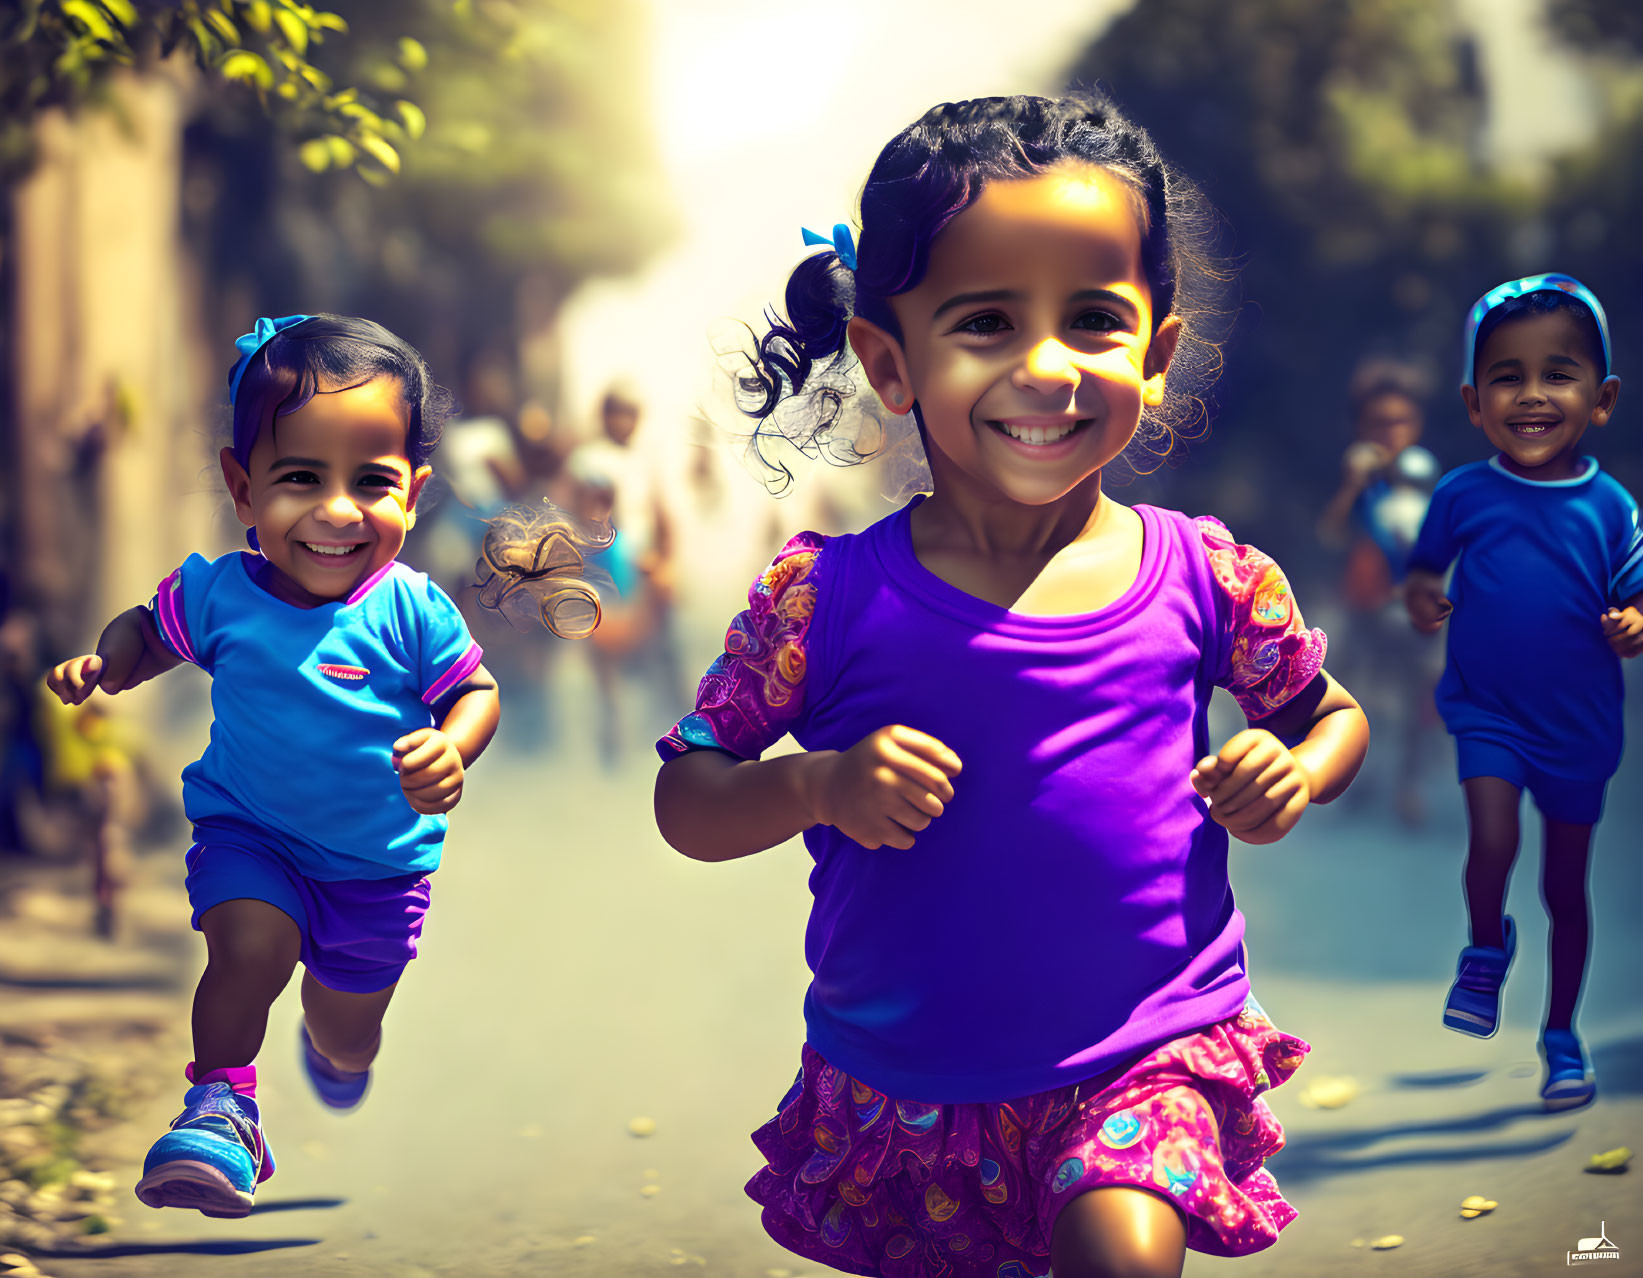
{"points": [[1160, 351], [884, 362], [239, 487], [418, 478], [1474, 409]]}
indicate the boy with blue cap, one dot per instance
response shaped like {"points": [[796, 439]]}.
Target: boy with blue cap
{"points": [[1550, 566]]}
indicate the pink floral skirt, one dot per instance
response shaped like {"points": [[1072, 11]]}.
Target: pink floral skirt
{"points": [[873, 1185]]}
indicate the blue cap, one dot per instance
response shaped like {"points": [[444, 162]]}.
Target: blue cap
{"points": [[1519, 288]]}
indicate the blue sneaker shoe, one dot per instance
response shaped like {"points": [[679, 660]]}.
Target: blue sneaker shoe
{"points": [[1474, 999], [1568, 1085], [341, 1089], [212, 1159]]}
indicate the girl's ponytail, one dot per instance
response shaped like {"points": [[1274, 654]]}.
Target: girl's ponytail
{"points": [[820, 299], [796, 380]]}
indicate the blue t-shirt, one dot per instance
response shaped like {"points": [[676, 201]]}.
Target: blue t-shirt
{"points": [[1539, 563], [307, 703]]}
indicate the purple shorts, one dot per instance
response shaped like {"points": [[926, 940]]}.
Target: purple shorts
{"points": [[357, 934]]}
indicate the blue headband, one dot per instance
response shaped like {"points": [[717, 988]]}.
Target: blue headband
{"points": [[1521, 288], [842, 242], [250, 343]]}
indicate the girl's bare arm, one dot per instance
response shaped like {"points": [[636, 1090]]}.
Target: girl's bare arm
{"points": [[712, 806], [880, 792], [129, 652], [1333, 735]]}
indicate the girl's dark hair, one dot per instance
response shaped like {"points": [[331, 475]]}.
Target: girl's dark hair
{"points": [[1546, 301], [331, 353], [931, 172]]}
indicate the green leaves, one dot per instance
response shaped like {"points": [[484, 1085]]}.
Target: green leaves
{"points": [[243, 65], [56, 53]]}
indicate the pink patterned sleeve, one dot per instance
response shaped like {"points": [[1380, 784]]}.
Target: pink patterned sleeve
{"points": [[1273, 654], [755, 690]]}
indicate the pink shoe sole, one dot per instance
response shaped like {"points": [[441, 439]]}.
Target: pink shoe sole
{"points": [[195, 1185]]}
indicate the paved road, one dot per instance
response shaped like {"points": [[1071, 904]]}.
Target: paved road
{"points": [[576, 974]]}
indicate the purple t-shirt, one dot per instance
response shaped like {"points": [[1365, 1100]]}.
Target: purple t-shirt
{"points": [[1070, 910]]}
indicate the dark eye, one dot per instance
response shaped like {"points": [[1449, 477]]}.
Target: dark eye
{"points": [[985, 324], [298, 477], [379, 481], [1099, 322]]}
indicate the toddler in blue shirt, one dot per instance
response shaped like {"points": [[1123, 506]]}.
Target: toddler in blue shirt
{"points": [[1541, 607], [348, 701]]}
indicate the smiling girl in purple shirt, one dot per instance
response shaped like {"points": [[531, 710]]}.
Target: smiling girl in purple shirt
{"points": [[1030, 1033]]}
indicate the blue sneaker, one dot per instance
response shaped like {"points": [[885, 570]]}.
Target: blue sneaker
{"points": [[341, 1089], [1474, 999], [212, 1159], [1568, 1085]]}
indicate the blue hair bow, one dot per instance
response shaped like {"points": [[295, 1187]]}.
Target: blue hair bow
{"points": [[250, 343], [842, 243]]}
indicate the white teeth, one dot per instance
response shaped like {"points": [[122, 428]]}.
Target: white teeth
{"points": [[1037, 434], [330, 550]]}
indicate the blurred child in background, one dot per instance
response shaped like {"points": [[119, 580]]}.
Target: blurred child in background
{"points": [[1542, 607], [1375, 514]]}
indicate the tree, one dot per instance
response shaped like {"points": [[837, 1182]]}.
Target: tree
{"points": [[534, 172], [1340, 140], [60, 53]]}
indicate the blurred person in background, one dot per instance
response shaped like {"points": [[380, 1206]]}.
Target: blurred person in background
{"points": [[615, 477], [93, 774], [496, 453], [22, 755], [1375, 515]]}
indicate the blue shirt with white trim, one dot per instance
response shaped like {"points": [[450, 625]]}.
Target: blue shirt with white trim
{"points": [[1538, 564], [307, 703]]}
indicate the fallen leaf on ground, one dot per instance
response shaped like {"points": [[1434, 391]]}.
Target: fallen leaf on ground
{"points": [[650, 1191], [1329, 1093], [1610, 1161], [1476, 1205], [642, 1126], [1387, 1242]]}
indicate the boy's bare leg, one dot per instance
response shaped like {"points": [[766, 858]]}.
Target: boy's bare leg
{"points": [[1563, 889], [1492, 843]]}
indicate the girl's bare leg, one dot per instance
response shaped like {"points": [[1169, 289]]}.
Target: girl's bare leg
{"points": [[252, 948], [1563, 889], [1492, 843], [1119, 1233], [345, 1028]]}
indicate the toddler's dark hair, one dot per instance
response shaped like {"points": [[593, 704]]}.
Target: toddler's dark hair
{"points": [[331, 353], [931, 172], [1547, 301], [1378, 375]]}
